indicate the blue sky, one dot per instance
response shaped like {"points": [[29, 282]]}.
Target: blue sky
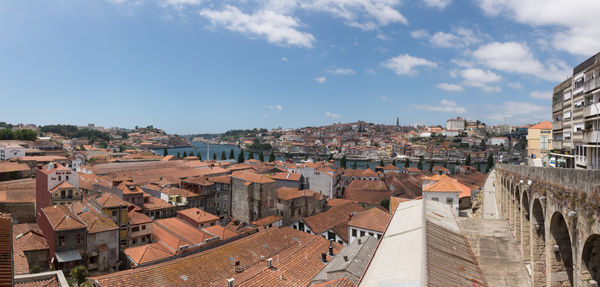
{"points": [[194, 66]]}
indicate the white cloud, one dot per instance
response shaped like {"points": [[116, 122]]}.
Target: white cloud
{"points": [[321, 80], [541, 95], [278, 29], [444, 106], [515, 85], [178, 4], [381, 36], [407, 64], [331, 115], [481, 79], [284, 59], [275, 107], [419, 34], [363, 14], [441, 4], [517, 58], [385, 99], [450, 87], [340, 71], [522, 112], [460, 38], [577, 20]]}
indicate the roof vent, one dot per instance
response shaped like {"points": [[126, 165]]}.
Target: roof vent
{"points": [[324, 257], [345, 258], [359, 241], [230, 282], [331, 247], [238, 267], [270, 263]]}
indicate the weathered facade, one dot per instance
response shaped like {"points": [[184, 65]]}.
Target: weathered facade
{"points": [[554, 216]]}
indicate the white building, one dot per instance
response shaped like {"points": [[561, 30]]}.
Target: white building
{"points": [[445, 190], [371, 222], [456, 124], [317, 179], [11, 150], [497, 141]]}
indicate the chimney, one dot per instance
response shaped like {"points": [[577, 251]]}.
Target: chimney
{"points": [[331, 248], [55, 165], [345, 258], [324, 257], [359, 241], [230, 282], [39, 166], [270, 263]]}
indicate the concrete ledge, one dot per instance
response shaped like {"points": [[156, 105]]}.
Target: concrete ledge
{"points": [[60, 277]]}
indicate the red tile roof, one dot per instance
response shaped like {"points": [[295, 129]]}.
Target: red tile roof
{"points": [[61, 185], [221, 231], [340, 282], [252, 177], [29, 237], [6, 253], [291, 176], [175, 234], [62, 218], [198, 215], [148, 253], [109, 200], [334, 216], [545, 125], [97, 222], [287, 193], [372, 219], [136, 218], [266, 220]]}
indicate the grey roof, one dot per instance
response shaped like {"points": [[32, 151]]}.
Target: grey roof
{"points": [[358, 256]]}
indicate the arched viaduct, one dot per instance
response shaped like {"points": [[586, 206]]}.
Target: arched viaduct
{"points": [[554, 215]]}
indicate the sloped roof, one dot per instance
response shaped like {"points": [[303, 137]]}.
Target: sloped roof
{"points": [[266, 220], [252, 177], [545, 125], [109, 200], [334, 216], [148, 253], [221, 231], [97, 222], [449, 184], [29, 237], [372, 219], [291, 176], [61, 185], [198, 215], [135, 218], [340, 282], [62, 218], [287, 193], [175, 233]]}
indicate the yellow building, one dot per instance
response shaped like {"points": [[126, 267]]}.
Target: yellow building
{"points": [[539, 140]]}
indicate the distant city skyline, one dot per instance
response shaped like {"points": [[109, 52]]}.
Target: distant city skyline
{"points": [[191, 66]]}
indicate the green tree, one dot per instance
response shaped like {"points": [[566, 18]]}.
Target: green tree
{"points": [[102, 144], [394, 162], [251, 155], [199, 155], [231, 154], [431, 164], [81, 147], [420, 164], [490, 163], [223, 155], [407, 162], [178, 155], [241, 157], [272, 157], [214, 156], [165, 152], [330, 157], [36, 268], [386, 204], [122, 147], [79, 274], [184, 154], [479, 166], [343, 161], [468, 160], [381, 163], [261, 156], [354, 165]]}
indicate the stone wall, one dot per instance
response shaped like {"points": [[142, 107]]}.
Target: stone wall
{"points": [[572, 179]]}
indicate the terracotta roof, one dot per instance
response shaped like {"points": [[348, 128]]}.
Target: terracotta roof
{"points": [[97, 222], [155, 203], [287, 193], [339, 201], [13, 166], [251, 177], [198, 215], [49, 168], [62, 218], [334, 216], [545, 125], [51, 282], [109, 200], [29, 237], [21, 190], [175, 233], [135, 218], [394, 201], [220, 179], [61, 185], [130, 188], [266, 220], [298, 263], [438, 168], [340, 282], [291, 176], [448, 184], [342, 231], [147, 253], [200, 180], [367, 191], [371, 219], [221, 231], [390, 167], [6, 254]]}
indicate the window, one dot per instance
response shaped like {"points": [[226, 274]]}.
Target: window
{"points": [[135, 229], [61, 240], [544, 142], [353, 232], [371, 233], [378, 236], [144, 227], [143, 239], [134, 241], [435, 199], [450, 201], [330, 235], [66, 177], [114, 213], [70, 194], [59, 178], [62, 194], [362, 233], [79, 238]]}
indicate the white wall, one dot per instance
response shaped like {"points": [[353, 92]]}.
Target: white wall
{"points": [[57, 177], [443, 198], [358, 233], [11, 152], [325, 234]]}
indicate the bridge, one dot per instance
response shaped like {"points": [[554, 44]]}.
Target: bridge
{"points": [[554, 216]]}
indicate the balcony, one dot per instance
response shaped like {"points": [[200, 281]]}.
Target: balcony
{"points": [[591, 85], [557, 125], [591, 137], [591, 110]]}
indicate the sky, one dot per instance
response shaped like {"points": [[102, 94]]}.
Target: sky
{"points": [[202, 66]]}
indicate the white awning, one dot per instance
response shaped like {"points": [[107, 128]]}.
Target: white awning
{"points": [[67, 256]]}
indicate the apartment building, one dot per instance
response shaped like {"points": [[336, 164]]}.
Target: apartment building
{"points": [[575, 116]]}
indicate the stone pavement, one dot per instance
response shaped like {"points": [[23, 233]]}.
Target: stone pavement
{"points": [[490, 206]]}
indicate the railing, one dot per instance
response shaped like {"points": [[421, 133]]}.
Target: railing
{"points": [[591, 85], [591, 137], [591, 110], [557, 125]]}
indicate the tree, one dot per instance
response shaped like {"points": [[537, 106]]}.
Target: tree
{"points": [[214, 156], [79, 273], [490, 163], [178, 155], [199, 156], [468, 160], [122, 147], [231, 154], [343, 162], [431, 164], [330, 157], [241, 156], [381, 163], [272, 157], [354, 165], [184, 154], [407, 162], [394, 162], [165, 152], [250, 155], [479, 166], [386, 204], [261, 156], [102, 144], [420, 164], [223, 155]]}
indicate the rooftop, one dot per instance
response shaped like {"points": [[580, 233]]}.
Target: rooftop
{"points": [[198, 215], [334, 216], [371, 219]]}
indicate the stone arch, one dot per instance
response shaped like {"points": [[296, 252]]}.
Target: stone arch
{"points": [[560, 252], [590, 259], [525, 227], [538, 244], [517, 215]]}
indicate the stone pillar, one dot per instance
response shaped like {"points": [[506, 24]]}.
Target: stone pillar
{"points": [[538, 257], [525, 236]]}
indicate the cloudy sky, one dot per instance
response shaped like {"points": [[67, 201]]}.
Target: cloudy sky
{"points": [[191, 66]]}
